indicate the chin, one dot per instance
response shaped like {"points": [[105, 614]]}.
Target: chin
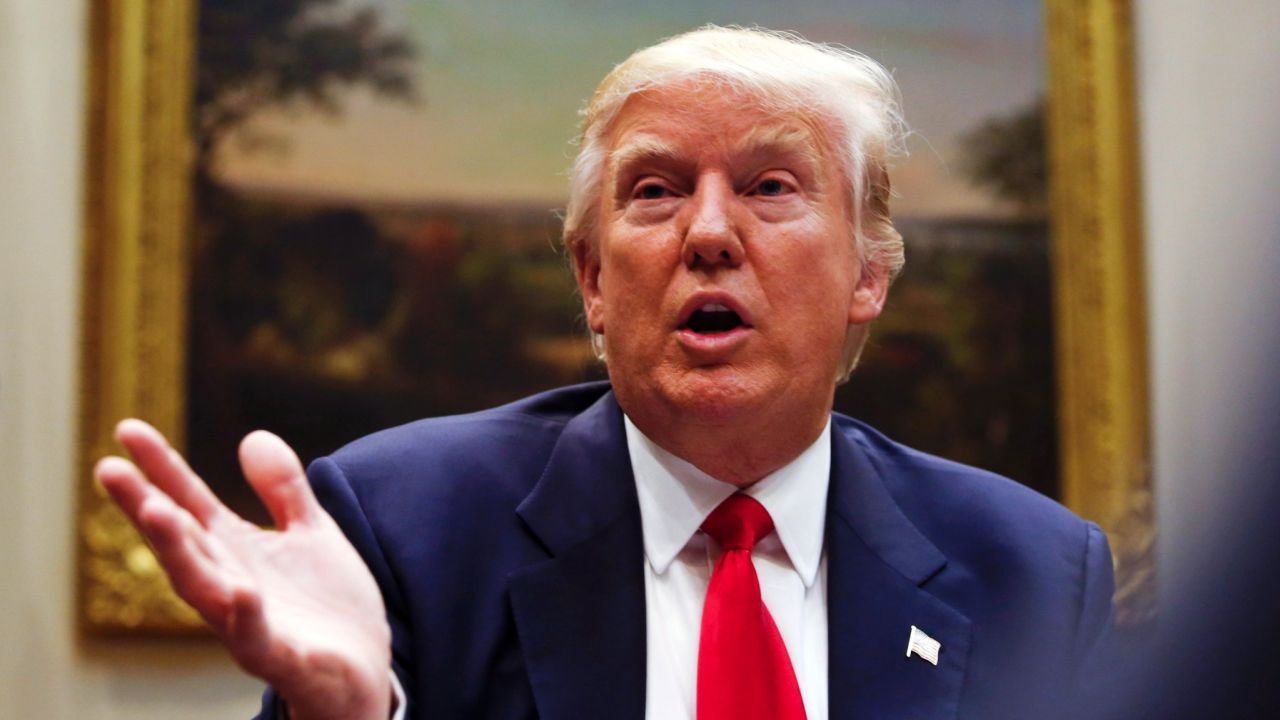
{"points": [[718, 394]]}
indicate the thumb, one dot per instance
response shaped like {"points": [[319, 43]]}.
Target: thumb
{"points": [[276, 474]]}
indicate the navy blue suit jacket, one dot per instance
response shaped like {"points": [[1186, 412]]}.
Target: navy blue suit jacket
{"points": [[507, 545]]}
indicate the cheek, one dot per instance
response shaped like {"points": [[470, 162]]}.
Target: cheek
{"points": [[810, 281], [810, 263], [637, 261], [634, 275]]}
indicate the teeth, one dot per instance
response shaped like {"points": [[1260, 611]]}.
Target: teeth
{"points": [[714, 307]]}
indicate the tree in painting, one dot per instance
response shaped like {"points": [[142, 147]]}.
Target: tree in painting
{"points": [[1006, 155], [254, 56]]}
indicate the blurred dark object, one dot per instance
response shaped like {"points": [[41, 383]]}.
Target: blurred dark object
{"points": [[1212, 651]]}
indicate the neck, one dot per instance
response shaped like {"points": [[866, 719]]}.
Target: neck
{"points": [[741, 450]]}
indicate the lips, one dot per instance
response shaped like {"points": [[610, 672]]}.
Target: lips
{"points": [[712, 314], [713, 318]]}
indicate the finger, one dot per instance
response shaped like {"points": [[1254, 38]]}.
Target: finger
{"points": [[276, 474], [124, 483], [172, 534], [166, 469], [130, 490], [180, 544]]}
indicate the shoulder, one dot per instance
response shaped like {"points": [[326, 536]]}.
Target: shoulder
{"points": [[492, 453], [527, 421], [977, 517], [1018, 564], [925, 484]]}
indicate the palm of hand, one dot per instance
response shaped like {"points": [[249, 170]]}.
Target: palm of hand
{"points": [[295, 606], [318, 600]]}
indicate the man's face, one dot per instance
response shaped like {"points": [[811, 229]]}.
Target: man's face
{"points": [[725, 279]]}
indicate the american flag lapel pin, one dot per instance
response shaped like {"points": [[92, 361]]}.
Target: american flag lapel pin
{"points": [[923, 646]]}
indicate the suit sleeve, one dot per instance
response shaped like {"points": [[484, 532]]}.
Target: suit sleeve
{"points": [[339, 499]]}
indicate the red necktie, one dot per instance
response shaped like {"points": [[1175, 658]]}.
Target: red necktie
{"points": [[744, 672]]}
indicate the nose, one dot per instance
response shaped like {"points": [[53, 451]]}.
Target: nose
{"points": [[711, 238]]}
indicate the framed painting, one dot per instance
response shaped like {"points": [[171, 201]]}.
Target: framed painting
{"points": [[326, 218]]}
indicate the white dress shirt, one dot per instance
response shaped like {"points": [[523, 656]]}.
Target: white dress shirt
{"points": [[675, 497]]}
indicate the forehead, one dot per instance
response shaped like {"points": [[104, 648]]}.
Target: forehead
{"points": [[682, 122]]}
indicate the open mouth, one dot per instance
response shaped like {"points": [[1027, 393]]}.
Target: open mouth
{"points": [[713, 318]]}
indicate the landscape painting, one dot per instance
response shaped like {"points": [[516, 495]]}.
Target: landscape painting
{"points": [[377, 187]]}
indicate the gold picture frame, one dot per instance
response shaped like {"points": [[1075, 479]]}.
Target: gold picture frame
{"points": [[138, 214], [1099, 286]]}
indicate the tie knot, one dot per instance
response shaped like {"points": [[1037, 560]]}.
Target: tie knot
{"points": [[738, 523]]}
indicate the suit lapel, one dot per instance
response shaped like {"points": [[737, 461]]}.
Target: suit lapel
{"points": [[877, 563], [581, 615]]}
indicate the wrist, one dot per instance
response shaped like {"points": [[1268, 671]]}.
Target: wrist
{"points": [[367, 709], [339, 694]]}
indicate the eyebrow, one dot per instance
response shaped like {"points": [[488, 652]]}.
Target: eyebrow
{"points": [[780, 140], [642, 148]]}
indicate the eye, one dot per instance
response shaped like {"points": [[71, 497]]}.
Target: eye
{"points": [[651, 191], [773, 187]]}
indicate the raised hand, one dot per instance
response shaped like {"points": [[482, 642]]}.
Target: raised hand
{"points": [[295, 606]]}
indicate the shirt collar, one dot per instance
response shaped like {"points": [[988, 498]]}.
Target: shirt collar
{"points": [[675, 497]]}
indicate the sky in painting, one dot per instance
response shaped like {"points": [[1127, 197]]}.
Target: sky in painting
{"points": [[501, 83]]}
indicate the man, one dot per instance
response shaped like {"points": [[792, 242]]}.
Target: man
{"points": [[731, 237]]}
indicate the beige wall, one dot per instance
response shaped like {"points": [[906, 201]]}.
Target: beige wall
{"points": [[1210, 111], [1210, 125], [44, 671]]}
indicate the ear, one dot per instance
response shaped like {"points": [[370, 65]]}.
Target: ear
{"points": [[586, 268], [868, 296]]}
